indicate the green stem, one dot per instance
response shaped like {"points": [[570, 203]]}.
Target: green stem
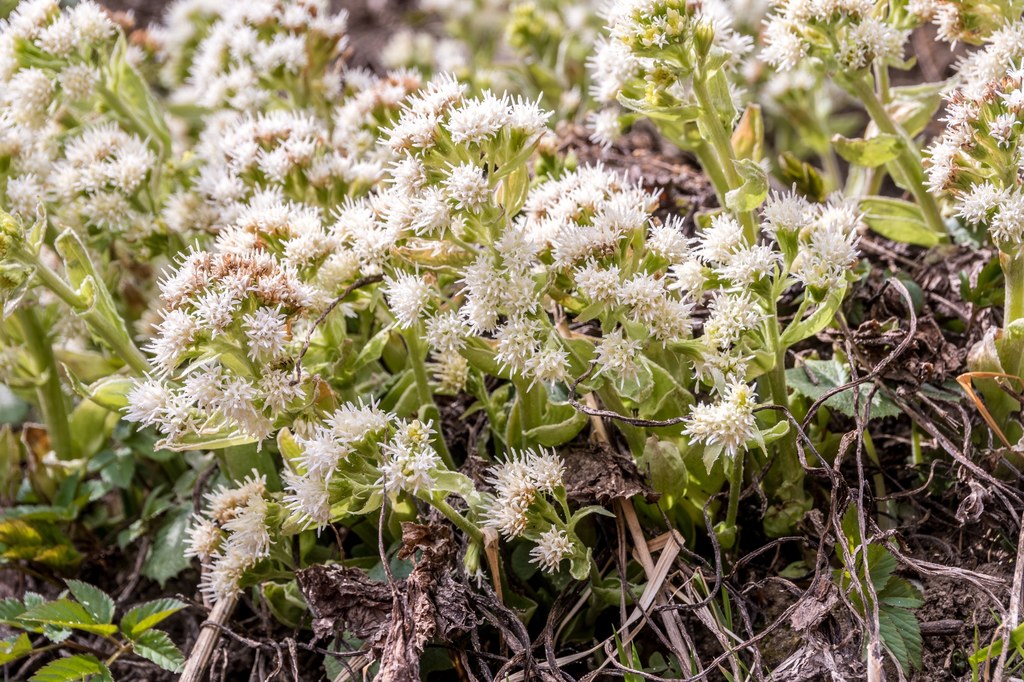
{"points": [[114, 337], [909, 159], [722, 146], [460, 521], [1013, 310], [52, 401], [786, 477], [417, 360], [709, 163]]}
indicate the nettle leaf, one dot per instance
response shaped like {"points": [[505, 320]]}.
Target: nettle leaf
{"points": [[869, 153], [98, 604], [79, 667], [65, 614], [13, 648], [156, 646], [901, 635], [816, 377], [145, 616], [898, 220]]}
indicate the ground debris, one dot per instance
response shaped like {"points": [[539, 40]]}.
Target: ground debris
{"points": [[396, 621], [597, 473]]}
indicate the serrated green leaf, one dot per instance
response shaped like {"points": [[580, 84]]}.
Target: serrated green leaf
{"points": [[78, 667], [11, 610], [98, 604], [816, 377], [145, 616], [13, 648], [64, 614], [156, 646], [869, 153], [901, 635]]}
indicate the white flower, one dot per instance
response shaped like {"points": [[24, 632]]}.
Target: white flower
{"points": [[407, 296], [267, 331], [597, 283], [308, 498], [548, 365], [720, 240], [726, 425], [321, 453], [467, 187], [732, 314], [410, 461], [553, 546], [604, 127], [476, 120], [618, 355], [204, 539], [517, 343], [446, 332], [146, 402]]}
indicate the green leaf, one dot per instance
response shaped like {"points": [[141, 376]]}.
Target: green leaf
{"points": [[371, 352], [901, 635], [898, 220], [79, 667], [110, 392], [64, 613], [563, 423], [13, 648], [816, 377], [803, 176], [98, 604], [145, 616], [804, 328], [167, 559], [156, 646], [869, 153], [754, 189]]}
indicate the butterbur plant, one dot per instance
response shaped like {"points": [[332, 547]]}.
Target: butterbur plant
{"points": [[541, 339]]}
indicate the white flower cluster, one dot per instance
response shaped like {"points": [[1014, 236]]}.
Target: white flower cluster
{"points": [[724, 426], [231, 536], [979, 156], [243, 55], [331, 454], [221, 348], [101, 181], [650, 52], [520, 507], [65, 42], [848, 34], [970, 21]]}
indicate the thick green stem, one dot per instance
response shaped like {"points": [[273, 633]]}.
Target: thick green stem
{"points": [[1013, 310], [909, 159], [709, 164], [722, 146], [460, 521], [52, 401], [786, 478], [417, 360]]}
